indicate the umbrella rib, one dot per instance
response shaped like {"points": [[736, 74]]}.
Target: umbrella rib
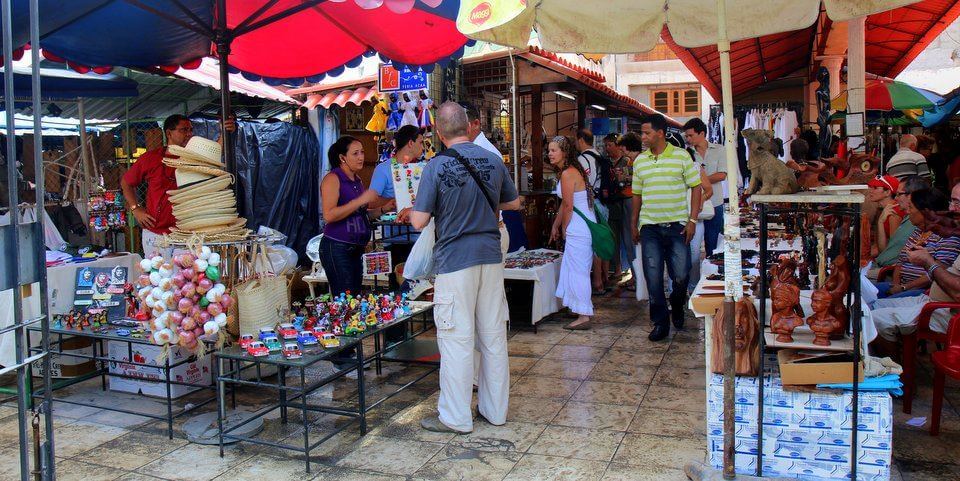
{"points": [[196, 18], [170, 18], [343, 28], [255, 15], [277, 17]]}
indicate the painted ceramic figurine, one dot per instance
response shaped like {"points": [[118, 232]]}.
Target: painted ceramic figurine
{"points": [[822, 322], [784, 320]]}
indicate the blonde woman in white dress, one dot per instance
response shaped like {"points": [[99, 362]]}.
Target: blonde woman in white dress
{"points": [[573, 287]]}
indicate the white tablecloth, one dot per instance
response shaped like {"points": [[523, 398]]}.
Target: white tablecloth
{"points": [[61, 285], [545, 301]]}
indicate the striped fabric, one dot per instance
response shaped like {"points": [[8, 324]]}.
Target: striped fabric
{"points": [[662, 183], [943, 249], [906, 162]]}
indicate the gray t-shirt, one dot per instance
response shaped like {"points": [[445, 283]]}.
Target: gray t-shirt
{"points": [[467, 227]]}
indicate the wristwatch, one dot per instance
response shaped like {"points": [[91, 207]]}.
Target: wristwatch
{"points": [[692, 220], [134, 207]]}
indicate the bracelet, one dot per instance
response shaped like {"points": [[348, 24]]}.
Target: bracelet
{"points": [[134, 207], [931, 269]]}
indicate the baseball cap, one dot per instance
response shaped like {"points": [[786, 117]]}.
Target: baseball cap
{"points": [[888, 182]]}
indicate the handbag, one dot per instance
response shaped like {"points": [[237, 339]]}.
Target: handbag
{"points": [[601, 237], [504, 234], [262, 296]]}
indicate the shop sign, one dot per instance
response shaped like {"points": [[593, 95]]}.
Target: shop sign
{"points": [[393, 80]]}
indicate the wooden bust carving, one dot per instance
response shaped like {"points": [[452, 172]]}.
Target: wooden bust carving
{"points": [[838, 282], [822, 322], [785, 271], [746, 339], [785, 319]]}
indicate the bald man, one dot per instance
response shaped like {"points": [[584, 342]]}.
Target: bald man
{"points": [[907, 161], [463, 188]]}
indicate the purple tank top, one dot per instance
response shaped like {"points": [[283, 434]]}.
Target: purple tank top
{"points": [[353, 229]]}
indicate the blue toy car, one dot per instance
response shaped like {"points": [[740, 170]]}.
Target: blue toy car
{"points": [[266, 332], [307, 338]]}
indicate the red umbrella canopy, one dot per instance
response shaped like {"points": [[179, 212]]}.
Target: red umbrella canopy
{"points": [[321, 40]]}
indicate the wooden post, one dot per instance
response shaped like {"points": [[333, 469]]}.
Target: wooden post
{"points": [[536, 134], [581, 110], [856, 72]]}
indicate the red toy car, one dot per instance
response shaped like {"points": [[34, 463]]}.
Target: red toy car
{"points": [[286, 331], [292, 351], [245, 340], [257, 349]]}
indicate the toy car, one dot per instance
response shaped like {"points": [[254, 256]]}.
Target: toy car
{"points": [[272, 343], [307, 338], [266, 332], [286, 331], [245, 340], [257, 349], [328, 339], [291, 350]]}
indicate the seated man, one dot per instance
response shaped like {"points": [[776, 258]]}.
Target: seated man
{"points": [[909, 279], [889, 255]]}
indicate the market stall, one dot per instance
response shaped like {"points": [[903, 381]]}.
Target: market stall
{"points": [[530, 279]]}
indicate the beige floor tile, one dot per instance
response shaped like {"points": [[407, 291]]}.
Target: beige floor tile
{"points": [[589, 338], [919, 446], [406, 425], [455, 464], [610, 393], [533, 410], [534, 467], [75, 438], [512, 436], [261, 468], [575, 353], [579, 443], [625, 373], [668, 422], [520, 365], [626, 472], [132, 450], [540, 337], [528, 349], [680, 377], [692, 400], [136, 477], [595, 416], [345, 474], [389, 455], [70, 470], [535, 386], [646, 450], [634, 357], [195, 463], [578, 370]]}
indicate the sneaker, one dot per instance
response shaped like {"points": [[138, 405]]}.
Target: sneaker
{"points": [[434, 424], [484, 418]]}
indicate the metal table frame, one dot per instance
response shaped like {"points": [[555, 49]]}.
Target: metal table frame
{"points": [[101, 358], [231, 362]]}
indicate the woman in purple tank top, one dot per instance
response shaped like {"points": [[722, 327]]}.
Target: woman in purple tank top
{"points": [[347, 230]]}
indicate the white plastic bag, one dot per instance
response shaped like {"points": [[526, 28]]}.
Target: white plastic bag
{"points": [[282, 257], [419, 264], [639, 279]]}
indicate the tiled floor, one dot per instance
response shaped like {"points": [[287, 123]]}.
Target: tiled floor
{"points": [[605, 404]]}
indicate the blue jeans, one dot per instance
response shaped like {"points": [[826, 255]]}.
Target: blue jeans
{"points": [[884, 291], [343, 264], [713, 228], [664, 243]]}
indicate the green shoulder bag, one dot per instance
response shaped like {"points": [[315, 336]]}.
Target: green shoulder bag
{"points": [[601, 236]]}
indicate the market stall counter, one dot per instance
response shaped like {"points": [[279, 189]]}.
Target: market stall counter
{"points": [[132, 363], [233, 363], [530, 279]]}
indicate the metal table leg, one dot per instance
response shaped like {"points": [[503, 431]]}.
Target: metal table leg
{"points": [[362, 401]]}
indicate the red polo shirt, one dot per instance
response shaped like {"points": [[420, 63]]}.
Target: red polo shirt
{"points": [[149, 168]]}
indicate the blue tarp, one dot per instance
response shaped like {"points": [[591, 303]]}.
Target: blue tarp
{"points": [[61, 84]]}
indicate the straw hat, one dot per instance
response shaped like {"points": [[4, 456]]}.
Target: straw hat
{"points": [[199, 151], [188, 177], [212, 224], [208, 186], [182, 203], [206, 221], [200, 169]]}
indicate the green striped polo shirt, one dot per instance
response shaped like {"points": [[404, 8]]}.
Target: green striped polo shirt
{"points": [[662, 182]]}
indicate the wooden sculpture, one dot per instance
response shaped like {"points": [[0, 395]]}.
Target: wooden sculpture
{"points": [[837, 284], [822, 322], [785, 319], [746, 340]]}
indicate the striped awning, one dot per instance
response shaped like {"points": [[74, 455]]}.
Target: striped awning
{"points": [[341, 98]]}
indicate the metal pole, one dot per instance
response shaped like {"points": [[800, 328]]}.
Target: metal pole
{"points": [[223, 40], [84, 156], [514, 134], [731, 234]]}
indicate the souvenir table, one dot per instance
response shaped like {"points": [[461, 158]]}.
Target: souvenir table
{"points": [[133, 361], [232, 365], [803, 433], [530, 278]]}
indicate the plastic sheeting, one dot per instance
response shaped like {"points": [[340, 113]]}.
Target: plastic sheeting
{"points": [[279, 177]]}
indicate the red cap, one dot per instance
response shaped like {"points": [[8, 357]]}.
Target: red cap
{"points": [[888, 182]]}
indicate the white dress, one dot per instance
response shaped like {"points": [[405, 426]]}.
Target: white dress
{"points": [[573, 287], [409, 113]]}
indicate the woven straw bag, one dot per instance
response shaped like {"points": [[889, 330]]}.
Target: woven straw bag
{"points": [[262, 296]]}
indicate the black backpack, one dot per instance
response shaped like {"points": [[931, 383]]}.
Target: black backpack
{"points": [[605, 188]]}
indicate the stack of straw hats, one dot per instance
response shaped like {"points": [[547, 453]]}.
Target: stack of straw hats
{"points": [[203, 202]]}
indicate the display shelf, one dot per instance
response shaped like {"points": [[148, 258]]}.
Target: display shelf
{"points": [[803, 339], [808, 197]]}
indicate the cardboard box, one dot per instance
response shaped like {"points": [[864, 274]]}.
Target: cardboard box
{"points": [[152, 378], [65, 366], [814, 367]]}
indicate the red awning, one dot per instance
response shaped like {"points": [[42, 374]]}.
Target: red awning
{"points": [[893, 39], [341, 98]]}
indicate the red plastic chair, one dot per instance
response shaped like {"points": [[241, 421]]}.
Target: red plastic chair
{"points": [[945, 363], [884, 273], [910, 342]]}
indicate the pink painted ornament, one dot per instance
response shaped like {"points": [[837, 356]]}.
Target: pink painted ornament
{"points": [[188, 339], [204, 317], [188, 324], [178, 280], [226, 301], [203, 286], [198, 331], [188, 290], [215, 308], [144, 280], [185, 305], [189, 273], [187, 260]]}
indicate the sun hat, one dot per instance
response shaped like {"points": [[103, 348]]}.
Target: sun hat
{"points": [[201, 169], [199, 151], [189, 197], [188, 177], [887, 182], [208, 186]]}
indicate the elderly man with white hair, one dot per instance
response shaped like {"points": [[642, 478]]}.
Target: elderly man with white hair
{"points": [[907, 161], [463, 188]]}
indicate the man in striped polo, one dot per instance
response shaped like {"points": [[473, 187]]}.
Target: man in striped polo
{"points": [[663, 175]]}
